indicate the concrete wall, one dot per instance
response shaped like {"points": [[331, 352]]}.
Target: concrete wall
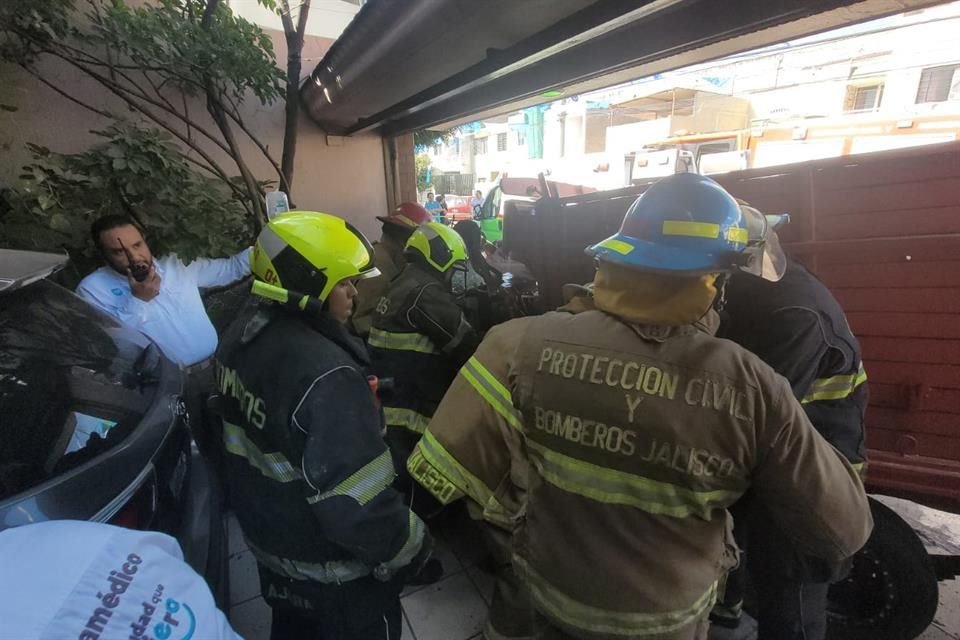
{"points": [[343, 176]]}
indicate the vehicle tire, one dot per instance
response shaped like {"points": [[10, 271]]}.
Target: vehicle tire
{"points": [[891, 592]]}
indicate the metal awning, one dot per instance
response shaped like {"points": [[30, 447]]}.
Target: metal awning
{"points": [[401, 66]]}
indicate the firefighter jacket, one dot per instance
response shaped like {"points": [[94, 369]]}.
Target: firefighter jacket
{"points": [[612, 450], [419, 338], [308, 472], [798, 328], [388, 257]]}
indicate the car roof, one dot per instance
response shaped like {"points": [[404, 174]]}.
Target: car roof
{"points": [[20, 268]]}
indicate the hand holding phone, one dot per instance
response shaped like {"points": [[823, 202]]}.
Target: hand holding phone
{"points": [[139, 270]]}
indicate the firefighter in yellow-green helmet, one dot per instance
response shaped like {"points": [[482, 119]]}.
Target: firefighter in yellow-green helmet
{"points": [[308, 472], [420, 338]]}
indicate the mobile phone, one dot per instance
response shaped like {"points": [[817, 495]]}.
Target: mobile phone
{"points": [[139, 270]]}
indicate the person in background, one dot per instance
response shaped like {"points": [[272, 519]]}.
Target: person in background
{"points": [[442, 201], [309, 473], [797, 327], [420, 338], [608, 439], [161, 298], [389, 259], [477, 289], [433, 207], [476, 202]]}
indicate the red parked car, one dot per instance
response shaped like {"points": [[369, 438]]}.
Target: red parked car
{"points": [[458, 208]]}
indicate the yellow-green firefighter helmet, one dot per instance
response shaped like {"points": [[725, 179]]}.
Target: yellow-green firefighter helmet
{"points": [[438, 246], [308, 253]]}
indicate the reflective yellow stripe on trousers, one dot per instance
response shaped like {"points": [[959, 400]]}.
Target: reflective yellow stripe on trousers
{"points": [[416, 531], [560, 606], [401, 341], [272, 465], [332, 572], [836, 387]]}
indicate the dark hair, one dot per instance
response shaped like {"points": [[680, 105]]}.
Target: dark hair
{"points": [[398, 232], [111, 221], [471, 234]]}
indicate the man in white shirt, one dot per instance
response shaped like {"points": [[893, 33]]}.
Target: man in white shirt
{"points": [[165, 304], [161, 298]]}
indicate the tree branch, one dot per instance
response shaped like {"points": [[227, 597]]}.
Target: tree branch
{"points": [[302, 20], [186, 112], [71, 98], [263, 149], [209, 11], [156, 90], [294, 37], [119, 92], [285, 17], [253, 189], [127, 95], [219, 114]]}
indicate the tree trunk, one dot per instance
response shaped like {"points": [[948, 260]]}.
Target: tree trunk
{"points": [[292, 115], [249, 181], [294, 36], [216, 110]]}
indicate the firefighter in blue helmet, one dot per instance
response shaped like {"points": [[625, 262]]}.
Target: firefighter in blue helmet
{"points": [[608, 439]]}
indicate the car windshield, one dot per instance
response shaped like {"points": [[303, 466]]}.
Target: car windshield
{"points": [[73, 382]]}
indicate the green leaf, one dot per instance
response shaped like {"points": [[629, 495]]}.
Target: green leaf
{"points": [[60, 222]]}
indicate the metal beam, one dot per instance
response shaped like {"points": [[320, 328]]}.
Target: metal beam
{"points": [[592, 22], [685, 33]]}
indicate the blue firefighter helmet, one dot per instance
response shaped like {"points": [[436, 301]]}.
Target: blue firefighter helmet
{"points": [[685, 224]]}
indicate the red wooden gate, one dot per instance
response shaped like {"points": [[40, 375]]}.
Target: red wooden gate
{"points": [[883, 231]]}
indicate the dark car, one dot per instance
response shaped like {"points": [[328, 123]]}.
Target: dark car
{"points": [[91, 422]]}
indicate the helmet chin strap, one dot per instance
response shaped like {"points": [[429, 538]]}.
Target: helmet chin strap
{"points": [[288, 298]]}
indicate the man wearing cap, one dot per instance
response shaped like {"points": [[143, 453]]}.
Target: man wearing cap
{"points": [[388, 256]]}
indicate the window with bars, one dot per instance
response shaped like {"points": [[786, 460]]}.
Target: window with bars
{"points": [[939, 84], [865, 97], [501, 142], [479, 146]]}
